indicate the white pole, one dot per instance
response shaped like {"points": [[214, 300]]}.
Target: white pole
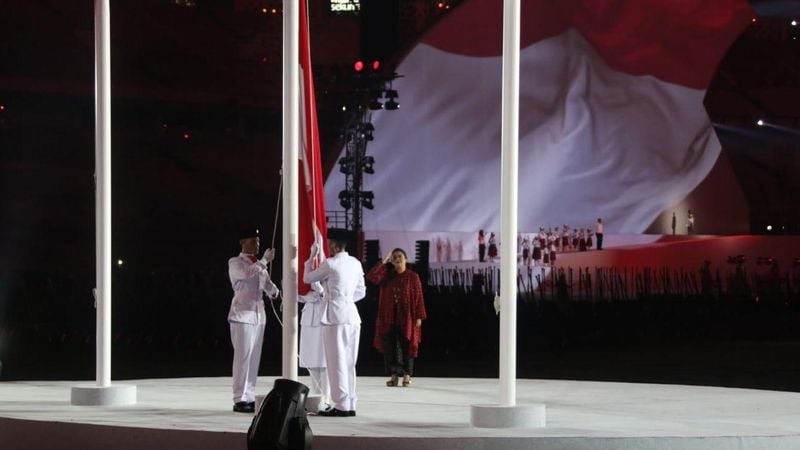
{"points": [[102, 164], [508, 203], [291, 157]]}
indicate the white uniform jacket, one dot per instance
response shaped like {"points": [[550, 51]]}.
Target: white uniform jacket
{"points": [[312, 309], [248, 279], [343, 281], [312, 351]]}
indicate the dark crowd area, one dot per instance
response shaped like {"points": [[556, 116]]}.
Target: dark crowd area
{"points": [[732, 329]]}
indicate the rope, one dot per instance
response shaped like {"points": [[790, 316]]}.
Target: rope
{"points": [[272, 245]]}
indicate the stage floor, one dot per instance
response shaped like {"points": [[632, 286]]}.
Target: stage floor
{"points": [[433, 413]]}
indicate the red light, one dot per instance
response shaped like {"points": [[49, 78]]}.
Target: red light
{"points": [[440, 5], [754, 20], [186, 135], [358, 66], [376, 65], [2, 107]]}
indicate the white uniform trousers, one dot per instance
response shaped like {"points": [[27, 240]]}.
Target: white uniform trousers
{"points": [[312, 357], [247, 340], [341, 353], [320, 385]]}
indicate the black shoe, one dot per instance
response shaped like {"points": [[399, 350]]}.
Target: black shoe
{"points": [[333, 412], [244, 407]]}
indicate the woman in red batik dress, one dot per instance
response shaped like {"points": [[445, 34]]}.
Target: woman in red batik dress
{"points": [[401, 310]]}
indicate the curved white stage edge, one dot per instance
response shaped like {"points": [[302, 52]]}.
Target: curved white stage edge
{"points": [[194, 413]]}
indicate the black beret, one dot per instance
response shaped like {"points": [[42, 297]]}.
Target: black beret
{"points": [[339, 235], [247, 233]]}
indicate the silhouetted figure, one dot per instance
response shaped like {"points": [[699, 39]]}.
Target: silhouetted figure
{"points": [[674, 223]]}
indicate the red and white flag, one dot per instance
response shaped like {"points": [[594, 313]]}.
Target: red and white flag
{"points": [[611, 119], [312, 226]]}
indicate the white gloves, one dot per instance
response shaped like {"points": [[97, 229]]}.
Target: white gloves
{"points": [[312, 255], [314, 251], [269, 255], [270, 289]]}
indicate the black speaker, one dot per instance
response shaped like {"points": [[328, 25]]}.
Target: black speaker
{"points": [[372, 251], [349, 238], [422, 254], [421, 260], [281, 423]]}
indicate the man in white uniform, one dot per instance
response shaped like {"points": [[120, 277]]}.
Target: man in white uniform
{"points": [[342, 278], [247, 318]]}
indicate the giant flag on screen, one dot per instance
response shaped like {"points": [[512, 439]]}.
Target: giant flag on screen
{"points": [[612, 122], [311, 221]]}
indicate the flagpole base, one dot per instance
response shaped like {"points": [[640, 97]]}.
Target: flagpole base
{"points": [[313, 402], [113, 395], [518, 416]]}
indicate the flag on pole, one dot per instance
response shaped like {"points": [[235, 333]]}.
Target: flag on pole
{"points": [[312, 226]]}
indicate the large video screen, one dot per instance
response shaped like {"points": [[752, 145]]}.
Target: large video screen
{"points": [[345, 7]]}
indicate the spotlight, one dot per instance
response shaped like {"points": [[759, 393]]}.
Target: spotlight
{"points": [[368, 164], [365, 131], [366, 199], [346, 165], [794, 23], [391, 105], [769, 227], [766, 261], [760, 122], [344, 199], [737, 260]]}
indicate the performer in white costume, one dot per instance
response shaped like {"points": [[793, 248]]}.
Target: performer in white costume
{"points": [[247, 318], [312, 350], [342, 278]]}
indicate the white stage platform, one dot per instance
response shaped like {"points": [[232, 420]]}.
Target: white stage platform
{"points": [[194, 413]]}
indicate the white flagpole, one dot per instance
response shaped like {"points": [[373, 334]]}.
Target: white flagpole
{"points": [[103, 393], [507, 413], [291, 155], [509, 143], [102, 165]]}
